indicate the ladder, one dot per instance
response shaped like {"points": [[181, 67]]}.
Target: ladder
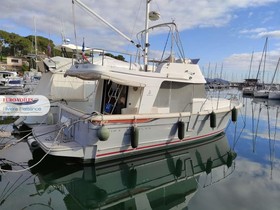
{"points": [[114, 93]]}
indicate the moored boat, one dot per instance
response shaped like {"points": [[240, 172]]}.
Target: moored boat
{"points": [[10, 82], [275, 95], [58, 89], [261, 93], [138, 108], [274, 92]]}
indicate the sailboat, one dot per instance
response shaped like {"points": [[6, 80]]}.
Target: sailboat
{"points": [[250, 83], [274, 93], [138, 107], [262, 91]]}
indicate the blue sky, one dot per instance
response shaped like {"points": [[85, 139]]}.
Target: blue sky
{"points": [[218, 32]]}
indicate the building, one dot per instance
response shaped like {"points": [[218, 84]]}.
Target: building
{"points": [[14, 64]]}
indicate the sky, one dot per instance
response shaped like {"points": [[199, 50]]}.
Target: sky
{"points": [[224, 34]]}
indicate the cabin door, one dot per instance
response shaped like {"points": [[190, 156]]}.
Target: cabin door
{"points": [[114, 97]]}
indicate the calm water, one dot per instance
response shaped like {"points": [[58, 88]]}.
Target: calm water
{"points": [[201, 176]]}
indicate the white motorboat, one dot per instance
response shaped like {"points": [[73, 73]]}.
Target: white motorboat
{"points": [[10, 82], [261, 93], [137, 108], [248, 91], [274, 95], [58, 89]]}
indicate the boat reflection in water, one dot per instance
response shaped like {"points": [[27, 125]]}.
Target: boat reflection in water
{"points": [[162, 180], [265, 127]]}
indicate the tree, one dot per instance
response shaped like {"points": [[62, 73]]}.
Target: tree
{"points": [[25, 67], [14, 44], [118, 57]]}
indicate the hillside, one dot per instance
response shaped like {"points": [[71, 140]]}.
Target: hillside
{"points": [[12, 44]]}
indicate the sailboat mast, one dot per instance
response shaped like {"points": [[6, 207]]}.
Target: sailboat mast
{"points": [[264, 49], [251, 61], [35, 38], [275, 72], [146, 48]]}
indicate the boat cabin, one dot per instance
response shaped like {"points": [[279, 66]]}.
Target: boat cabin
{"points": [[171, 97]]}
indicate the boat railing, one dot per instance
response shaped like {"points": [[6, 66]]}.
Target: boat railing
{"points": [[52, 61], [88, 56], [131, 60]]}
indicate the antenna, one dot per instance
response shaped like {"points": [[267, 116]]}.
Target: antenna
{"points": [[104, 21]]}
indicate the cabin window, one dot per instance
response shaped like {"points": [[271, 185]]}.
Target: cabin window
{"points": [[114, 97], [14, 61], [6, 75], [178, 96]]}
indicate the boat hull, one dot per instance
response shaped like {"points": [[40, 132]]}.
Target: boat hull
{"points": [[274, 95], [261, 94], [248, 91], [82, 139]]}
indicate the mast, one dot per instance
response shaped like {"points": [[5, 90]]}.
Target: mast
{"points": [[274, 73], [259, 68], [250, 68], [146, 48], [264, 49], [35, 39], [221, 72]]}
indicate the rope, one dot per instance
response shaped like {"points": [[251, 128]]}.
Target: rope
{"points": [[28, 168], [55, 140], [23, 138], [14, 143]]}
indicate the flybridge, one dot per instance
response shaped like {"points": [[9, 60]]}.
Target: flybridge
{"points": [[153, 16]]}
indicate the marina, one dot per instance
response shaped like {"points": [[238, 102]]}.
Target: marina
{"points": [[133, 107], [135, 121]]}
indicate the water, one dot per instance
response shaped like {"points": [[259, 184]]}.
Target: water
{"points": [[200, 176]]}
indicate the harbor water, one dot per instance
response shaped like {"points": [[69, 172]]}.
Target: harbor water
{"points": [[236, 170]]}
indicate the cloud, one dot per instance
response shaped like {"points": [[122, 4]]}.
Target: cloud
{"points": [[274, 34], [250, 182], [240, 63], [260, 33], [253, 31], [53, 18]]}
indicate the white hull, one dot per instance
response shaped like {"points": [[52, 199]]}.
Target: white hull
{"points": [[79, 138], [10, 83], [261, 93], [248, 91], [274, 95]]}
